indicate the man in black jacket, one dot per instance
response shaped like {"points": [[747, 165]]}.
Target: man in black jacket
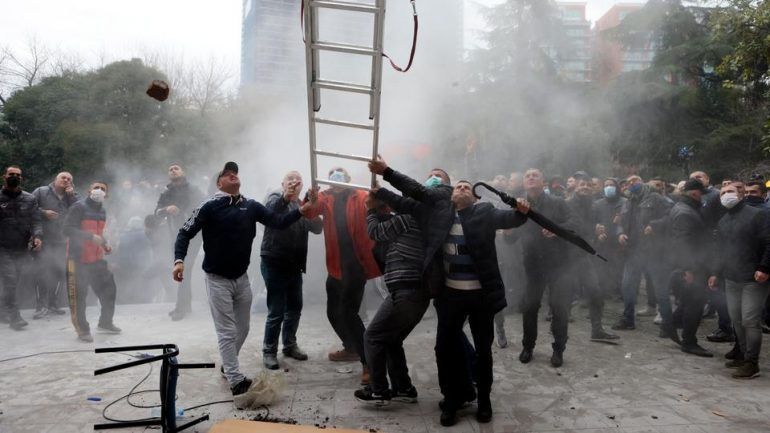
{"points": [[175, 204], [472, 287], [687, 252], [642, 214], [228, 221], [20, 231], [606, 216], [54, 201], [743, 260], [582, 266], [284, 259]]}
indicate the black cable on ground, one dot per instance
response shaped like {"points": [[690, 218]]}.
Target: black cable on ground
{"points": [[45, 353]]}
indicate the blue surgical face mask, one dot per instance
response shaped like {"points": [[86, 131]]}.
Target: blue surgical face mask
{"points": [[610, 191], [433, 182], [338, 176], [635, 188]]}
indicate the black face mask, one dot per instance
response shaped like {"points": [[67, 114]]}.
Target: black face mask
{"points": [[12, 182], [754, 199]]}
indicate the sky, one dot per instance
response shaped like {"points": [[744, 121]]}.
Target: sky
{"points": [[197, 29]]}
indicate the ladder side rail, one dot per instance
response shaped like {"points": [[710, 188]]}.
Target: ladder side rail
{"points": [[309, 66], [376, 85]]}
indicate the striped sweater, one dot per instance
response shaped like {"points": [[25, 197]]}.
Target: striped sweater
{"points": [[404, 257]]}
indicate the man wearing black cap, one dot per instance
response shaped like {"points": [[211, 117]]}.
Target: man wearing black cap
{"points": [[228, 221], [687, 253]]}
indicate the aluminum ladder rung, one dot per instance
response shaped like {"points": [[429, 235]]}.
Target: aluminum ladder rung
{"points": [[344, 48], [342, 86], [342, 184], [346, 6], [344, 123], [343, 155]]}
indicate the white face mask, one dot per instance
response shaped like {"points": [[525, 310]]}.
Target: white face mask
{"points": [[97, 195], [729, 199]]}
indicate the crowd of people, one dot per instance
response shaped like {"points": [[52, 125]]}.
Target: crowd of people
{"points": [[692, 246]]}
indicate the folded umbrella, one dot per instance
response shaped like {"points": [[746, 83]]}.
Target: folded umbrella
{"points": [[540, 219]]}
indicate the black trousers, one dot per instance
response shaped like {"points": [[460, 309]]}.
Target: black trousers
{"points": [[559, 297], [343, 300], [453, 308], [692, 298], [81, 276], [397, 316], [11, 265]]}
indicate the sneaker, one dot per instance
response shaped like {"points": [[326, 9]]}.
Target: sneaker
{"points": [[525, 356], [17, 323], [407, 396], [177, 315], [557, 359], [604, 337], [343, 356], [749, 370], [697, 350], [109, 329], [658, 319], [241, 386], [295, 352], [734, 363], [720, 336], [366, 395], [623, 325], [39, 314], [270, 360], [646, 312], [365, 375], [86, 338]]}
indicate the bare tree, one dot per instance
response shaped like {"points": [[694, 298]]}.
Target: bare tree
{"points": [[26, 68], [209, 85]]}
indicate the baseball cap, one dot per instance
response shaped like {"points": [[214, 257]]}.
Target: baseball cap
{"points": [[230, 166]]}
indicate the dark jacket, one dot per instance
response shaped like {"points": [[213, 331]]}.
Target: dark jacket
{"points": [[687, 237], [85, 219], [288, 246], [480, 224], [743, 240], [47, 199], [757, 202], [581, 221], [648, 208], [19, 220], [184, 196], [606, 212], [539, 251], [229, 226], [435, 219]]}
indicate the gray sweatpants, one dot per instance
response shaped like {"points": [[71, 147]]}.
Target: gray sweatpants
{"points": [[230, 302]]}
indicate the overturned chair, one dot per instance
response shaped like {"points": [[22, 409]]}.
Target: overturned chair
{"points": [[169, 371]]}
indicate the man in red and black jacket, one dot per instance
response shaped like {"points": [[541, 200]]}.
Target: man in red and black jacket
{"points": [[349, 262], [86, 247]]}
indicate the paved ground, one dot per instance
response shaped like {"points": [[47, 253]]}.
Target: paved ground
{"points": [[643, 385]]}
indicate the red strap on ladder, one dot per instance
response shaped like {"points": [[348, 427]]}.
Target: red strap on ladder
{"points": [[392, 63]]}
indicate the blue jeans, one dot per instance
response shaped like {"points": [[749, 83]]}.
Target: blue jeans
{"points": [[284, 304], [637, 264], [746, 302]]}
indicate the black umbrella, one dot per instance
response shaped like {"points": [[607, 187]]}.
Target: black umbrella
{"points": [[567, 235]]}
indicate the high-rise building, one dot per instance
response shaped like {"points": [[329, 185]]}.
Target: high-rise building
{"points": [[573, 56], [272, 52], [611, 57]]}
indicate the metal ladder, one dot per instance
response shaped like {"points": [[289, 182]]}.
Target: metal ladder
{"points": [[313, 47]]}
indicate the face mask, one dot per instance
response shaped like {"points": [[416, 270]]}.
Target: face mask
{"points": [[610, 191], [13, 181], [432, 182], [635, 188], [97, 195], [729, 199], [338, 176]]}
